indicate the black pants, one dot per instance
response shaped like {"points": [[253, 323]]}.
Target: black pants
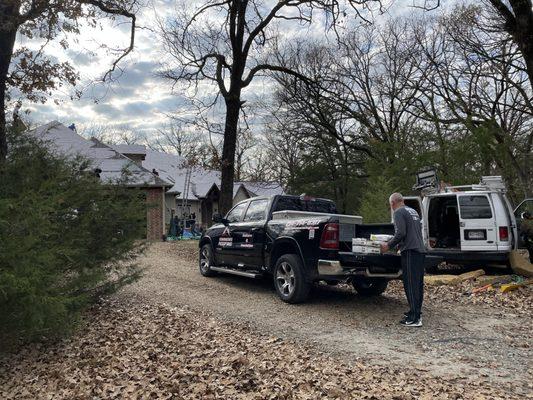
{"points": [[413, 280]]}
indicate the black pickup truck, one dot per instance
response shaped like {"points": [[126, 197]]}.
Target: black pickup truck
{"points": [[298, 241]]}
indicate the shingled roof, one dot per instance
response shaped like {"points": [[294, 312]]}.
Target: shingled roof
{"points": [[64, 141]]}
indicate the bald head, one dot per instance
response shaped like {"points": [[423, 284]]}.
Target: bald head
{"points": [[396, 200]]}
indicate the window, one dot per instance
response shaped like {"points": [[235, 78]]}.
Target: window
{"points": [[287, 203], [257, 210], [526, 205], [321, 206], [475, 207], [236, 213]]}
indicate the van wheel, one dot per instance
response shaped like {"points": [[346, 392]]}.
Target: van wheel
{"points": [[369, 287], [290, 280], [206, 261]]}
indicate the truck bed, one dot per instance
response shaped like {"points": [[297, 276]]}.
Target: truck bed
{"points": [[350, 231]]}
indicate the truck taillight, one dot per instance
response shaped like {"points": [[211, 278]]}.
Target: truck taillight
{"points": [[504, 233], [330, 237]]}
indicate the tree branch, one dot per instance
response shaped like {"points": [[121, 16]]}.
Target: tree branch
{"points": [[111, 9], [274, 68]]}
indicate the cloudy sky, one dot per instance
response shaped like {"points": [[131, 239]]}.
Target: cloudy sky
{"points": [[138, 99]]}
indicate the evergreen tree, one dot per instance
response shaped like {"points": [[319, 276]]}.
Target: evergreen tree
{"points": [[63, 236]]}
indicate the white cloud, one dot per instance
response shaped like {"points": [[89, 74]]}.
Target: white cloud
{"points": [[138, 98]]}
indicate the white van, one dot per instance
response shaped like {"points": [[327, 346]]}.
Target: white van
{"points": [[467, 224]]}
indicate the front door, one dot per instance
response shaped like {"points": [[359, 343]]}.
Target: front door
{"points": [[249, 235], [226, 249], [477, 222]]}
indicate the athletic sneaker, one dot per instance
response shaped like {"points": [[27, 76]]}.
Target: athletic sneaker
{"points": [[411, 323]]}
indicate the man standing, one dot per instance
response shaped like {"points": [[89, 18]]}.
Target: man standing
{"points": [[408, 237]]}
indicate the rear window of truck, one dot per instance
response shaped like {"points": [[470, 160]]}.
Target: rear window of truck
{"points": [[475, 207], [312, 205]]}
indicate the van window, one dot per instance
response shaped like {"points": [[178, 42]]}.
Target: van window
{"points": [[256, 210], [475, 207]]}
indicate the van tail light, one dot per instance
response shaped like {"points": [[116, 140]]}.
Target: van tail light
{"points": [[504, 233], [330, 237]]}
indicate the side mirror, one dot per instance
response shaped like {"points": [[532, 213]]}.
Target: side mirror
{"points": [[218, 219]]}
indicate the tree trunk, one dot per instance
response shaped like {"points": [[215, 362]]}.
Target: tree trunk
{"points": [[523, 33], [233, 108], [8, 33]]}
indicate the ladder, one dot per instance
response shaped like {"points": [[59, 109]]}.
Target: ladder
{"points": [[186, 186]]}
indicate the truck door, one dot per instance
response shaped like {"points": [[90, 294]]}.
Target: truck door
{"points": [[225, 249], [477, 222], [249, 236]]}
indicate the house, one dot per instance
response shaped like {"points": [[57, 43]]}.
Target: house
{"points": [[194, 190], [109, 165]]}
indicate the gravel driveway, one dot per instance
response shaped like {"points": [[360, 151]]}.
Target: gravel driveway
{"points": [[485, 338]]}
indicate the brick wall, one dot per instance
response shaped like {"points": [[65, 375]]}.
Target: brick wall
{"points": [[154, 213]]}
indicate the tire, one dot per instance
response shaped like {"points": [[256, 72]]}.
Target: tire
{"points": [[369, 287], [206, 260], [290, 281]]}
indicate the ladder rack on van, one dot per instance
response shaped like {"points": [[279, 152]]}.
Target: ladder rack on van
{"points": [[492, 183]]}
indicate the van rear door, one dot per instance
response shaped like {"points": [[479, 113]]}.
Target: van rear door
{"points": [[477, 222]]}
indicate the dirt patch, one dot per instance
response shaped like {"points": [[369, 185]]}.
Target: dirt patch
{"points": [[178, 334], [133, 350], [486, 335]]}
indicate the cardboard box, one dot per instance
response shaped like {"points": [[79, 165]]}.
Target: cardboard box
{"points": [[380, 237], [365, 246]]}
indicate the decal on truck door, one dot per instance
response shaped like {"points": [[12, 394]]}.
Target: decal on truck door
{"points": [[225, 241]]}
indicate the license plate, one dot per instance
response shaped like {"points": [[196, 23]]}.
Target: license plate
{"points": [[478, 235]]}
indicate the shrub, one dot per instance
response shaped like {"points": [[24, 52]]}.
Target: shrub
{"points": [[64, 239]]}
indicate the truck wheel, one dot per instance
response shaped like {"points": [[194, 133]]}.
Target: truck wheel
{"points": [[290, 280], [206, 260], [369, 286]]}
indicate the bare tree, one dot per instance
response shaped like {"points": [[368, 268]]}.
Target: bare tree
{"points": [[283, 146], [187, 143], [232, 53], [364, 89], [41, 21], [112, 134], [516, 18], [466, 85]]}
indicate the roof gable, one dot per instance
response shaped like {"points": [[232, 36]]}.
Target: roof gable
{"points": [[64, 141]]}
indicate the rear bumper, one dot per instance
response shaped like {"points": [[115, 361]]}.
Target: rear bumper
{"points": [[354, 264], [471, 257], [370, 265]]}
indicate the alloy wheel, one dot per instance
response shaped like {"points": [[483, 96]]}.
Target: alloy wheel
{"points": [[285, 279], [204, 260]]}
